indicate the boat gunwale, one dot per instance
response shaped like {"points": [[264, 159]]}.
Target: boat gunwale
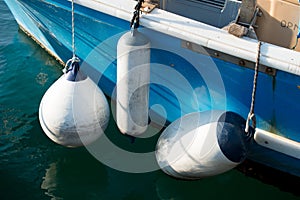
{"points": [[186, 29]]}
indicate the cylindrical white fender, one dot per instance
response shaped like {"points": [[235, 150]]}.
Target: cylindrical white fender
{"points": [[133, 77], [202, 144], [73, 113]]}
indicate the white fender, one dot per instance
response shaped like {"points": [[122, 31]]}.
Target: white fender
{"points": [[202, 144], [133, 77], [73, 113]]}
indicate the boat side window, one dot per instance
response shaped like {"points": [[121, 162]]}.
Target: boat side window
{"points": [[218, 13]]}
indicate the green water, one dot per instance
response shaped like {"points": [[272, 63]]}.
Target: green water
{"points": [[33, 167]]}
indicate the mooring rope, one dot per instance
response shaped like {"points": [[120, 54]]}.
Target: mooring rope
{"points": [[74, 57], [73, 29], [135, 21], [298, 36], [251, 115]]}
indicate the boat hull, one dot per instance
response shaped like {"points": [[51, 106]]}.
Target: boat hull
{"points": [[182, 80]]}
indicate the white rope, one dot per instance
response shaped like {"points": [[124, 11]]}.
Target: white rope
{"points": [[251, 115], [73, 30], [74, 58]]}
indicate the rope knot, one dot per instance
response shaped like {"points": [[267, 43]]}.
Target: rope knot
{"points": [[251, 117], [70, 63]]}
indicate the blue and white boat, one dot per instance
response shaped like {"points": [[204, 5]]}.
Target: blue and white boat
{"points": [[197, 65]]}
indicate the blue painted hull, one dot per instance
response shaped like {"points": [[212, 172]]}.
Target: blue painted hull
{"points": [[197, 83]]}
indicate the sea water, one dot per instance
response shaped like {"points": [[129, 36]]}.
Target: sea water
{"points": [[33, 167]]}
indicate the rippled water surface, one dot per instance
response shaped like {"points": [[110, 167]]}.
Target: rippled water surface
{"points": [[33, 167]]}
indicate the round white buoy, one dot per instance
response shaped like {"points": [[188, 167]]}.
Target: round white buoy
{"points": [[74, 111], [202, 144], [133, 77]]}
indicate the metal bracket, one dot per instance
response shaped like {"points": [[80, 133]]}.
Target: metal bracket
{"points": [[226, 57]]}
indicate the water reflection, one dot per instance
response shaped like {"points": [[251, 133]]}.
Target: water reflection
{"points": [[80, 176], [75, 176]]}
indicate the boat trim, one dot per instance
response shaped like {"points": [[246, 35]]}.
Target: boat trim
{"points": [[277, 143], [228, 58]]}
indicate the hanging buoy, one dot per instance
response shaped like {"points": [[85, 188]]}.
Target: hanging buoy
{"points": [[202, 144], [74, 111], [133, 77]]}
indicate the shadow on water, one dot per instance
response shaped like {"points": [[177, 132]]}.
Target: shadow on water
{"points": [[267, 175], [231, 185]]}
